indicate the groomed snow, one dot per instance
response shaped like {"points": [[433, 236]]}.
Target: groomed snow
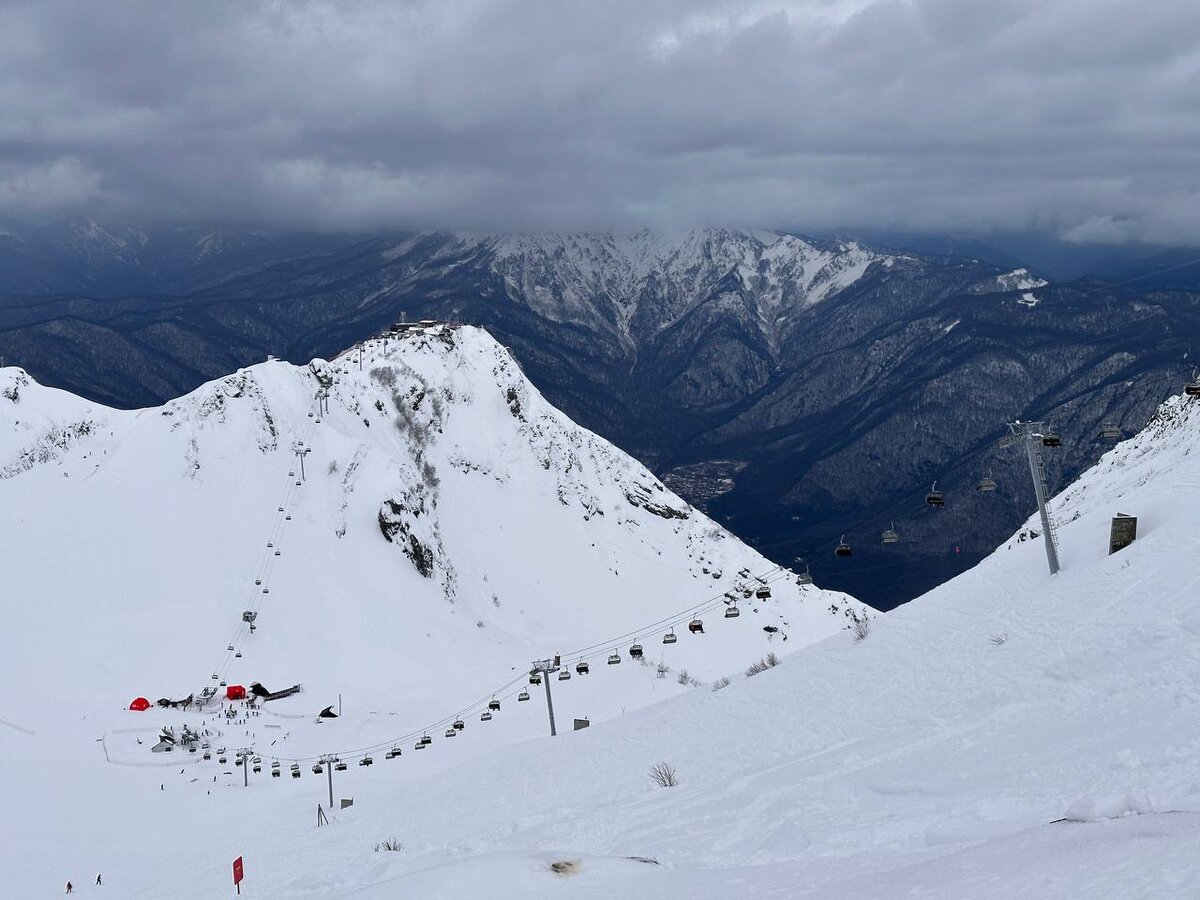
{"points": [[1010, 734]]}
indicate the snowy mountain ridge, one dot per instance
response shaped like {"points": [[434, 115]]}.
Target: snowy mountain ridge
{"points": [[425, 490]]}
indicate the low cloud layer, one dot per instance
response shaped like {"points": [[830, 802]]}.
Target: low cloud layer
{"points": [[1079, 118]]}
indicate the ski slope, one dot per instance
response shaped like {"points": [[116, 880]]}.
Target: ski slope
{"points": [[1008, 734], [448, 527]]}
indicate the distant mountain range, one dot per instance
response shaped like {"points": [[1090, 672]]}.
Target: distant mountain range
{"points": [[795, 389]]}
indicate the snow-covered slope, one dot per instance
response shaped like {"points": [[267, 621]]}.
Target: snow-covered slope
{"points": [[1008, 734], [447, 528], [934, 758], [445, 516]]}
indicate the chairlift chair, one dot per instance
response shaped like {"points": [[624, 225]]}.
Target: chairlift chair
{"points": [[763, 593], [614, 658], [493, 704], [366, 761], [1192, 389], [426, 740], [1110, 432], [275, 769], [1051, 439], [459, 725], [804, 577], [523, 696], [635, 651], [221, 757], [450, 732], [317, 769], [392, 754], [238, 655], [230, 647], [208, 754], [732, 612], [535, 677], [257, 766], [485, 716], [582, 667], [222, 682], [935, 497], [564, 674], [987, 484], [339, 766], [237, 761], [890, 535], [696, 626], [669, 637], [295, 770], [843, 549]]}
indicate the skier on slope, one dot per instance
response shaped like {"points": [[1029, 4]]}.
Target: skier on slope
{"points": [[69, 888]]}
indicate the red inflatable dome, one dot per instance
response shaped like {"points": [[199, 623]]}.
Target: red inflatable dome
{"points": [[235, 692], [140, 704]]}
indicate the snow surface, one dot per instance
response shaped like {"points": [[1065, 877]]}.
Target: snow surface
{"points": [[1008, 734]]}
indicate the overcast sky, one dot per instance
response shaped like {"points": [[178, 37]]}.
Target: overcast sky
{"points": [[1079, 118]]}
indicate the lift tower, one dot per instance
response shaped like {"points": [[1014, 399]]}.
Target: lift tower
{"points": [[1033, 436]]}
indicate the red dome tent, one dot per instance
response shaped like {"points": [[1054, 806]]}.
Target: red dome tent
{"points": [[139, 704], [235, 692]]}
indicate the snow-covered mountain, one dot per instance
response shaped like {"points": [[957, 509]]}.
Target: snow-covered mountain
{"points": [[794, 389], [411, 524], [1010, 733]]}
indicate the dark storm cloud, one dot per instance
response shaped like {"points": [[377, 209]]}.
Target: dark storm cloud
{"points": [[1078, 117]]}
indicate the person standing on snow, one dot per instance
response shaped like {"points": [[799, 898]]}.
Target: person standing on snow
{"points": [[97, 879], [68, 887]]}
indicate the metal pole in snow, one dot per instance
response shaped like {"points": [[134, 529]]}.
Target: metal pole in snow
{"points": [[329, 769], [1033, 448], [549, 704], [1031, 434], [547, 667]]}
